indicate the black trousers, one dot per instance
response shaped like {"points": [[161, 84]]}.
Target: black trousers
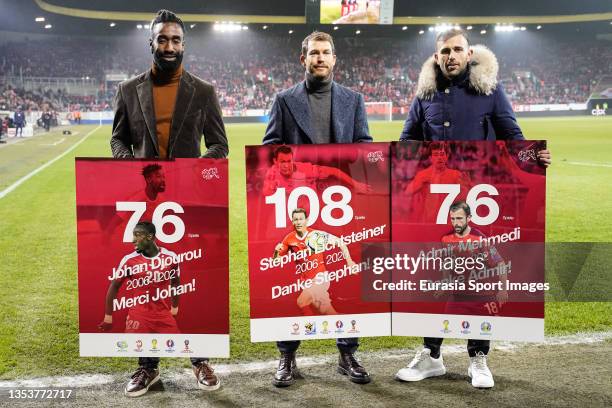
{"points": [[473, 346], [347, 345], [152, 362]]}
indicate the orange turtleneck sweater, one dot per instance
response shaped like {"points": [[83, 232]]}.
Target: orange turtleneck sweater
{"points": [[165, 88]]}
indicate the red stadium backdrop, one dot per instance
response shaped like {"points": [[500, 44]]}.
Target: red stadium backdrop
{"points": [[187, 201], [505, 190], [311, 289]]}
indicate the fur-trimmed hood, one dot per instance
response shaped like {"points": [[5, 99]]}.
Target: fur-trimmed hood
{"points": [[483, 74]]}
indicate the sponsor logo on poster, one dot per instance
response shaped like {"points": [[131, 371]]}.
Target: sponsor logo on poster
{"points": [[353, 328], [186, 349], [310, 329], [170, 346], [295, 328], [339, 326], [122, 346], [485, 328], [138, 348], [325, 326], [445, 324], [465, 327]]}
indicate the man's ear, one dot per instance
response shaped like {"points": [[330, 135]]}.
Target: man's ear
{"points": [[151, 45], [303, 60], [435, 57]]}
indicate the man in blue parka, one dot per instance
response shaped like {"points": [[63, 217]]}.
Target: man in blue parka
{"points": [[459, 98]]}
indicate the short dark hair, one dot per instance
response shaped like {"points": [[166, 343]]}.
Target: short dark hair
{"points": [[298, 211], [282, 149], [461, 205], [317, 36], [439, 146], [147, 226], [150, 169], [453, 32], [166, 16]]}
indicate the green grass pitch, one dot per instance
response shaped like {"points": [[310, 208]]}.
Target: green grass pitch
{"points": [[39, 326]]}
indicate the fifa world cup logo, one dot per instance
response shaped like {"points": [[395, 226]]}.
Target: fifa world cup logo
{"points": [[445, 323], [154, 344], [325, 325]]}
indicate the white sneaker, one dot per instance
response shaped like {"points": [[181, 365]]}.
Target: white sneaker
{"points": [[422, 366], [479, 372]]}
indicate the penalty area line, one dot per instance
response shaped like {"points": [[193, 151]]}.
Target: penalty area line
{"points": [[31, 174]]}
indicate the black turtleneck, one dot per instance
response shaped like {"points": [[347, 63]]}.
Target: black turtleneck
{"points": [[319, 100]]}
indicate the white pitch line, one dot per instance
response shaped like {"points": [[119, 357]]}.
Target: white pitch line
{"points": [[25, 178], [55, 143], [35, 136], [588, 164], [92, 380]]}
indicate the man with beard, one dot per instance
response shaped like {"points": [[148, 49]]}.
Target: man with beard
{"points": [[162, 114], [318, 110], [458, 97]]}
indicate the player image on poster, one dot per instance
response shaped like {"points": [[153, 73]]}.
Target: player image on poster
{"points": [[470, 218], [311, 211], [153, 257]]}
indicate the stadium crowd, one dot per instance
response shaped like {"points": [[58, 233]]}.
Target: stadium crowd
{"points": [[248, 73]]}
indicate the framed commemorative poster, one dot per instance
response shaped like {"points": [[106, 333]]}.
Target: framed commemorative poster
{"points": [[153, 257], [468, 237], [312, 211]]}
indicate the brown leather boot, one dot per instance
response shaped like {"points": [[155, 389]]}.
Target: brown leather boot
{"points": [[207, 379], [140, 382]]}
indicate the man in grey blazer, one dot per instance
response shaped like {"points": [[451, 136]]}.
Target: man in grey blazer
{"points": [[317, 110], [161, 114]]}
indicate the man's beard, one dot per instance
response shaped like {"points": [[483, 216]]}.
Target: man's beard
{"points": [[313, 75], [167, 66], [459, 230]]}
